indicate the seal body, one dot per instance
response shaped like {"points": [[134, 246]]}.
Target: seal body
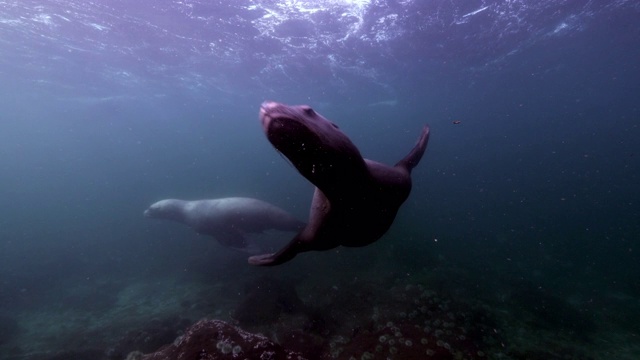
{"points": [[355, 199], [226, 219]]}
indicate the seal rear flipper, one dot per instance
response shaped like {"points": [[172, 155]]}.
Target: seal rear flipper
{"points": [[262, 260], [413, 158]]}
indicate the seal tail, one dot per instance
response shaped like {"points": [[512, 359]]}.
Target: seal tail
{"points": [[413, 158]]}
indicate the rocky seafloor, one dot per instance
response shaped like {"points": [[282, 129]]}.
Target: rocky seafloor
{"points": [[441, 312]]}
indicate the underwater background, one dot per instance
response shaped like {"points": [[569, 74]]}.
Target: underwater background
{"points": [[520, 239]]}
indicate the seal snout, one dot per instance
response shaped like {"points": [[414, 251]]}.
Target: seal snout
{"points": [[266, 105], [265, 108]]}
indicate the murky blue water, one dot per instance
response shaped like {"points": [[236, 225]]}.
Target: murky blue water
{"points": [[526, 200]]}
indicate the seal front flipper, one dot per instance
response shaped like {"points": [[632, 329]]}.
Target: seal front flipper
{"points": [[413, 158], [285, 254], [306, 239]]}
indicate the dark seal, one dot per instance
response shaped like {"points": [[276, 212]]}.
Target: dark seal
{"points": [[355, 200]]}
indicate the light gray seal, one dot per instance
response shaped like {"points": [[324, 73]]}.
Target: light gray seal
{"points": [[226, 219], [355, 199]]}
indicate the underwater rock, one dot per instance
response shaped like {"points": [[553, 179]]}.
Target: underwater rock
{"points": [[418, 323], [309, 344], [265, 300], [217, 340], [157, 333], [396, 342]]}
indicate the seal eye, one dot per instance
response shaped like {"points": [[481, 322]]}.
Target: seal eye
{"points": [[309, 111]]}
